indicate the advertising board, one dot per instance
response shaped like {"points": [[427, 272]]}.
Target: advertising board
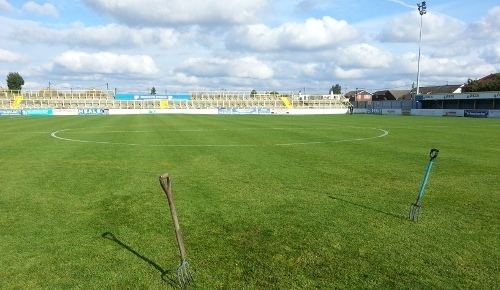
{"points": [[145, 96], [494, 114], [10, 112], [65, 112], [246, 111], [93, 111], [476, 113], [391, 111], [406, 111], [375, 111], [163, 111], [37, 112]]}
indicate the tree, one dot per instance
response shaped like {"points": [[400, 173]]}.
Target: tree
{"points": [[14, 81], [488, 83], [336, 90], [253, 93], [153, 91]]}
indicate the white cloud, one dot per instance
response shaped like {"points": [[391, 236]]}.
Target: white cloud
{"points": [[9, 56], [277, 48], [245, 67], [110, 35], [363, 55], [185, 79], [5, 5], [310, 69], [437, 29], [444, 67], [104, 63], [342, 73], [488, 27], [312, 34], [28, 85], [46, 9], [308, 5], [402, 3], [491, 53], [167, 12]]}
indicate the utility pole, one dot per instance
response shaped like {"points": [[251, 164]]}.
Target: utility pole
{"points": [[422, 9]]}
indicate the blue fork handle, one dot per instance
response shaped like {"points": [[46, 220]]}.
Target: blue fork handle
{"points": [[433, 154], [424, 182]]}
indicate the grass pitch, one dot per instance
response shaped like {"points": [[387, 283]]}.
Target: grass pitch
{"points": [[264, 202]]}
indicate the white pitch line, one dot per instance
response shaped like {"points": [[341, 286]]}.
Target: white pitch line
{"points": [[385, 133], [21, 132], [54, 135], [108, 132]]}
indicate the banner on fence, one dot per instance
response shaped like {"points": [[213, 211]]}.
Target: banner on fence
{"points": [[450, 114], [93, 111], [476, 113], [224, 111], [37, 112], [235, 111], [375, 111], [10, 112], [494, 114], [246, 111], [143, 96], [65, 112]]}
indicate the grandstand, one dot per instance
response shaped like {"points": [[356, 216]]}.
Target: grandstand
{"points": [[87, 99]]}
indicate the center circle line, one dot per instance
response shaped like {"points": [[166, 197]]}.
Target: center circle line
{"points": [[56, 136]]}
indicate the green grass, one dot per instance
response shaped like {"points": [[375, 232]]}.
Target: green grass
{"points": [[254, 215]]}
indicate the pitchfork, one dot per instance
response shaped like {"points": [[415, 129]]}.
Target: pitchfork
{"points": [[183, 273], [415, 207]]}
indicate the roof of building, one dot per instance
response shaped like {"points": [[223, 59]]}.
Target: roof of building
{"points": [[490, 77], [446, 89], [356, 92], [397, 94]]}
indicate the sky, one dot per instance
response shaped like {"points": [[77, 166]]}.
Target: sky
{"points": [[279, 45]]}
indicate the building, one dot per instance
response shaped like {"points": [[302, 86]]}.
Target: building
{"points": [[389, 95], [359, 96]]}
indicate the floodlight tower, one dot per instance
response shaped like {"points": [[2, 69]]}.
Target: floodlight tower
{"points": [[422, 9]]}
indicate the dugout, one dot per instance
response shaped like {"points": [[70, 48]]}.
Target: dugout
{"points": [[463, 101]]}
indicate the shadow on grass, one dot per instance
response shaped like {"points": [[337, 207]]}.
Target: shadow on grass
{"points": [[367, 207], [166, 275], [336, 197]]}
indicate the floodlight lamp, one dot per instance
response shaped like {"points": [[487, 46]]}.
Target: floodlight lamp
{"points": [[422, 8]]}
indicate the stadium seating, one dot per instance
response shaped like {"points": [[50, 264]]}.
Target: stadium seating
{"points": [[83, 99]]}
